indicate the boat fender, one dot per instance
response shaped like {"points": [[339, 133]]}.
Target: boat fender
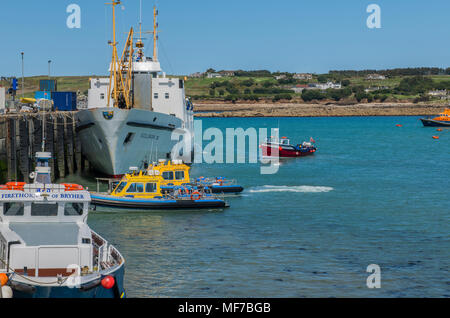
{"points": [[195, 196], [3, 279]]}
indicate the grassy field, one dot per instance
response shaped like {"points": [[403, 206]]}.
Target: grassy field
{"points": [[65, 83], [200, 87]]}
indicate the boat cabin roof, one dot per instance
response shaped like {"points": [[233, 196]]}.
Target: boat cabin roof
{"points": [[171, 171], [39, 234]]}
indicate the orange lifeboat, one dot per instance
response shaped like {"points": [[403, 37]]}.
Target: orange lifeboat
{"points": [[72, 187], [15, 186]]}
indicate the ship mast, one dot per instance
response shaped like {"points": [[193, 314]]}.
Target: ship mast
{"points": [[114, 55]]}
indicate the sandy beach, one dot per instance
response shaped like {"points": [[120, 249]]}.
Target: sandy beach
{"points": [[223, 109]]}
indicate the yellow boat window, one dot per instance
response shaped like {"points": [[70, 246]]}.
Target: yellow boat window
{"points": [[167, 175], [179, 175], [151, 188], [136, 188], [120, 187]]}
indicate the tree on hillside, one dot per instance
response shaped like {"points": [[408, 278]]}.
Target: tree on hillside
{"points": [[249, 82], [322, 78], [310, 94]]}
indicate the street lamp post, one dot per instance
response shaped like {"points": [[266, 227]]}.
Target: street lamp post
{"points": [[49, 63], [23, 81]]}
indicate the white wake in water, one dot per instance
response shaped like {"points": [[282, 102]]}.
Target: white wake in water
{"points": [[303, 189]]}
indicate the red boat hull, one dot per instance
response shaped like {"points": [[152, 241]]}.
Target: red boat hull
{"points": [[272, 151]]}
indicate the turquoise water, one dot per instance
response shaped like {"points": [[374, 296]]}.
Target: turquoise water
{"points": [[374, 193]]}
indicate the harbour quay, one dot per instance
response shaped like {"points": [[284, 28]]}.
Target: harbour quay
{"points": [[21, 137]]}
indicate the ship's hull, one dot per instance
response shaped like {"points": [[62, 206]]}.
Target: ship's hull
{"points": [[92, 289], [154, 204], [115, 139], [434, 123]]}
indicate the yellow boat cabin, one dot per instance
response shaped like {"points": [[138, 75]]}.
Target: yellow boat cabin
{"points": [[139, 184], [173, 173]]}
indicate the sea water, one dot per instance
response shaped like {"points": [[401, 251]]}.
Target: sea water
{"points": [[373, 193]]}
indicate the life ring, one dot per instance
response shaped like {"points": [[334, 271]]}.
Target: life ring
{"points": [[196, 196]]}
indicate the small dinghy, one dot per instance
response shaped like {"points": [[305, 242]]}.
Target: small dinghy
{"points": [[219, 185], [141, 190]]}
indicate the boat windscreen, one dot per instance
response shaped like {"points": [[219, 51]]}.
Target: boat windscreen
{"points": [[44, 209], [73, 209], [13, 208], [120, 187]]}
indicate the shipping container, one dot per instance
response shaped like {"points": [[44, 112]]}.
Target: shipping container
{"points": [[48, 85], [42, 95], [65, 101]]}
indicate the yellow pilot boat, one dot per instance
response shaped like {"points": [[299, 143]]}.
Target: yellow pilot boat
{"points": [[142, 190], [175, 173]]}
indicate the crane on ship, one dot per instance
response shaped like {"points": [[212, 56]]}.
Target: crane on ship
{"points": [[120, 70], [120, 79]]}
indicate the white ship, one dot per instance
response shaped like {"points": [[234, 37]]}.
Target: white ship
{"points": [[133, 114]]}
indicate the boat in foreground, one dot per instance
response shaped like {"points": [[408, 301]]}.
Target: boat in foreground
{"points": [[47, 249], [442, 120], [282, 148], [141, 190]]}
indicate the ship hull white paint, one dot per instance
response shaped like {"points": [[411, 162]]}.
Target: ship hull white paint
{"points": [[106, 142]]}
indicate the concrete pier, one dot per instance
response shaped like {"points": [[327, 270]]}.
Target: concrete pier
{"points": [[21, 137]]}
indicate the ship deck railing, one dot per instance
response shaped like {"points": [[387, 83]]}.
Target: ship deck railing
{"points": [[110, 182]]}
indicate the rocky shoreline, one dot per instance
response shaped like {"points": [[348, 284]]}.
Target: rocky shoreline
{"points": [[222, 109]]}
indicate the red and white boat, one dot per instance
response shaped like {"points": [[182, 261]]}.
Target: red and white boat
{"points": [[282, 148]]}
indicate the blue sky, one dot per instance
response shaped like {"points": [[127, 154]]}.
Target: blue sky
{"points": [[285, 35]]}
